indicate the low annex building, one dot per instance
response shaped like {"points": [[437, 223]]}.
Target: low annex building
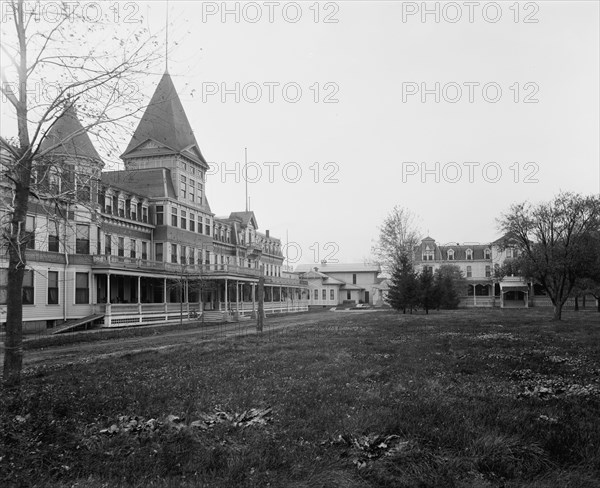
{"points": [[332, 284], [141, 245]]}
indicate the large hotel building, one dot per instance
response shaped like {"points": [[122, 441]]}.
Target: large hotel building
{"points": [[141, 245]]}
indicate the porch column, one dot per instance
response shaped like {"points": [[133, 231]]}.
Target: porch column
{"points": [[139, 297], [186, 287], [253, 288], [226, 296], [165, 295], [107, 317]]}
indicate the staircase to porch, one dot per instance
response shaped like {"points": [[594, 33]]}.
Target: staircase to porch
{"points": [[71, 325]]}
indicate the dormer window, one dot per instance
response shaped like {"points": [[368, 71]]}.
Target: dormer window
{"points": [[428, 255], [450, 254], [487, 254], [469, 254]]}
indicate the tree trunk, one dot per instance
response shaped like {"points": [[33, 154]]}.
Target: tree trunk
{"points": [[13, 343], [557, 311], [576, 303]]}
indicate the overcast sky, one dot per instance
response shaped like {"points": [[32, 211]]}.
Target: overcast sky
{"points": [[517, 115]]}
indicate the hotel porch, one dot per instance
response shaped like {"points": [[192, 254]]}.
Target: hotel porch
{"points": [[132, 292]]}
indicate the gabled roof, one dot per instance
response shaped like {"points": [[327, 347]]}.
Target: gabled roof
{"points": [[164, 128], [79, 146], [245, 218], [151, 182], [316, 275]]}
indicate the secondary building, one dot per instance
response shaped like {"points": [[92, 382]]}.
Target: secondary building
{"points": [[332, 284]]}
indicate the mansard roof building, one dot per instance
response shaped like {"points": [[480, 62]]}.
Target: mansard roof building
{"points": [[130, 247]]}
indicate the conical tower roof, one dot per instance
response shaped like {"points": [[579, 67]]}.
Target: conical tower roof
{"points": [[164, 128], [79, 146]]}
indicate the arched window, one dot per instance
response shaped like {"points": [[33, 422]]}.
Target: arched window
{"points": [[450, 254], [470, 254], [487, 254]]}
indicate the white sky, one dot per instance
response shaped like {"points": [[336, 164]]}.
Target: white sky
{"points": [[371, 132]]}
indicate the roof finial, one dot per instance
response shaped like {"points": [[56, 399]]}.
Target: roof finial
{"points": [[246, 174], [167, 39]]}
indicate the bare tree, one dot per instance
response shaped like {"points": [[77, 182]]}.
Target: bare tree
{"points": [[57, 64], [554, 240], [398, 236]]}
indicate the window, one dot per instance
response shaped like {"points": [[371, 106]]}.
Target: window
{"points": [[183, 219], [324, 294], [207, 257], [192, 222], [469, 254], [200, 191], [83, 193], [174, 217], [82, 239], [207, 227], [27, 292], [108, 204], [107, 245], [3, 286], [451, 255], [487, 254], [158, 251], [191, 257], [52, 287], [29, 234], [82, 291], [183, 253], [488, 271], [121, 246], [192, 191], [354, 278], [469, 272], [53, 241], [144, 214], [182, 188], [132, 248], [133, 211], [160, 215], [316, 294], [512, 252], [121, 208], [348, 295], [144, 250], [428, 255], [200, 224], [174, 253], [331, 295]]}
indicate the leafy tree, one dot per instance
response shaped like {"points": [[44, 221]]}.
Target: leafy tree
{"points": [[449, 283], [589, 282], [398, 236], [55, 65], [404, 288], [554, 239], [428, 296]]}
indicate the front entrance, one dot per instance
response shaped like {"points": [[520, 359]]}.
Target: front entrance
{"points": [[367, 297]]}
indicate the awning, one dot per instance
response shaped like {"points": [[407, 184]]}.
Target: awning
{"points": [[514, 288]]}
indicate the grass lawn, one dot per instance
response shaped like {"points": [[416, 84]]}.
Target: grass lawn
{"points": [[477, 398]]}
